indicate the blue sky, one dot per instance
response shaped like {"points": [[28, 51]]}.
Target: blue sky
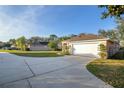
{"points": [[28, 21]]}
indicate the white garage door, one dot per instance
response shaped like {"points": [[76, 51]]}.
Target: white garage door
{"points": [[85, 49]]}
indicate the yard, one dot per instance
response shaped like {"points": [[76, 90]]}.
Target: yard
{"points": [[110, 71], [34, 53]]}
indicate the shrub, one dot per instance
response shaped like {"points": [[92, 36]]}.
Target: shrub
{"points": [[65, 50], [53, 45], [103, 55], [103, 51]]}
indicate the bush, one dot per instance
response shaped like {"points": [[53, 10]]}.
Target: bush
{"points": [[102, 48], [103, 51], [65, 50], [53, 45], [103, 55]]}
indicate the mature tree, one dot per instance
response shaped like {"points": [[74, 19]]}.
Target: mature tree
{"points": [[21, 43], [37, 40], [29, 42], [116, 34], [12, 42], [53, 37], [4, 44], [111, 34], [64, 38], [120, 27], [53, 45], [102, 32], [34, 40], [112, 10], [116, 11]]}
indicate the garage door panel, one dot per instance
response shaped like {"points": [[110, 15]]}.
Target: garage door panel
{"points": [[85, 48]]}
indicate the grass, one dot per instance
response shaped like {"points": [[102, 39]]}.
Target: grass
{"points": [[110, 71], [34, 53]]}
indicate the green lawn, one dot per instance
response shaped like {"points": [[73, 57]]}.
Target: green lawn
{"points": [[110, 71], [34, 53]]}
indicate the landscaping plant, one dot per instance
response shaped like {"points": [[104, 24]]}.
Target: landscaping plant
{"points": [[65, 50], [53, 45], [103, 51]]}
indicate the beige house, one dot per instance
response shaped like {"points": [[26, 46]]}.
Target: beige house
{"points": [[89, 44]]}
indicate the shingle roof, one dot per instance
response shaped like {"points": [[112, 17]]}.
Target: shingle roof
{"points": [[85, 37]]}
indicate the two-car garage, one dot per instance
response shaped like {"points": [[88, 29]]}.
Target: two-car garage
{"points": [[85, 48]]}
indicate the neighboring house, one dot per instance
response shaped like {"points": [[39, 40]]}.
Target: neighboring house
{"points": [[39, 46], [13, 47], [89, 44]]}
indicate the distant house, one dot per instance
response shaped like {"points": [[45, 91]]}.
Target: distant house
{"points": [[89, 44], [39, 46]]}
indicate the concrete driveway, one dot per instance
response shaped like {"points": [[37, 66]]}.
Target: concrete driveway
{"points": [[54, 72]]}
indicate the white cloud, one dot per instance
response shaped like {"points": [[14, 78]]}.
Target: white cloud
{"points": [[22, 24]]}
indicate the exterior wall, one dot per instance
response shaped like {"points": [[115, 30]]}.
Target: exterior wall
{"points": [[41, 47]]}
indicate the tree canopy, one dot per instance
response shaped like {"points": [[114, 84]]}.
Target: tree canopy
{"points": [[53, 37], [115, 34], [112, 10], [21, 43], [53, 45], [112, 34]]}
